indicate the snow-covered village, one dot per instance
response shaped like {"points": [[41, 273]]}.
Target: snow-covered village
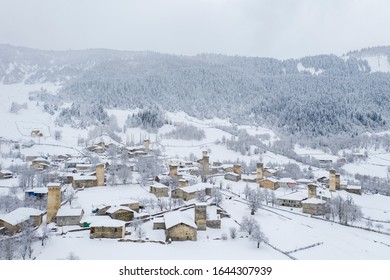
{"points": [[223, 138]]}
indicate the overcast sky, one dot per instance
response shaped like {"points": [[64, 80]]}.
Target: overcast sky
{"points": [[267, 28]]}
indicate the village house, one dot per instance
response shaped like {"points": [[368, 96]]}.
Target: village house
{"points": [[287, 182], [293, 199], [158, 223], [5, 174], [107, 228], [313, 206], [36, 133], [354, 189], [92, 180], [190, 192], [69, 216], [180, 226], [159, 190], [235, 175], [270, 183], [37, 193], [16, 220], [269, 172], [122, 213], [40, 163]]}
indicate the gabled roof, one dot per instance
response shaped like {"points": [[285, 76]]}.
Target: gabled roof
{"points": [[196, 187], [107, 222], [20, 215], [69, 212], [113, 209], [313, 201], [158, 185], [271, 179], [297, 196], [177, 217]]}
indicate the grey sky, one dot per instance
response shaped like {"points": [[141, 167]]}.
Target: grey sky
{"points": [[271, 28]]}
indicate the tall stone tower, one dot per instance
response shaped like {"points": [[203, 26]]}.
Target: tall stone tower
{"points": [[237, 170], [337, 181], [206, 163], [146, 144], [312, 190], [53, 201], [201, 215], [332, 180], [100, 174], [259, 172], [173, 170]]}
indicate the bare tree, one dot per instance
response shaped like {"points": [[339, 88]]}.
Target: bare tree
{"points": [[162, 204], [258, 236], [266, 196], [216, 196], [369, 223], [248, 224], [247, 190], [124, 174], [140, 232], [8, 248], [233, 232], [201, 196], [255, 199]]}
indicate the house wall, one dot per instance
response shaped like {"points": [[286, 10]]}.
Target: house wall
{"points": [[213, 224], [269, 185], [107, 232], [122, 215], [84, 183], [181, 232], [158, 225], [159, 192], [313, 209], [290, 203], [68, 221]]}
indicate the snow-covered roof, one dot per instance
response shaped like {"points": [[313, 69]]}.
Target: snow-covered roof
{"points": [[270, 170], [177, 217], [37, 190], [287, 180], [69, 212], [20, 215], [84, 178], [5, 171], [158, 220], [40, 159], [304, 181], [113, 209], [54, 185], [158, 185], [354, 187], [271, 179], [104, 222], [299, 196], [248, 176], [196, 187], [232, 174], [313, 201]]}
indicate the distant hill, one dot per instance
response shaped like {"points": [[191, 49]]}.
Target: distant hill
{"points": [[313, 96]]}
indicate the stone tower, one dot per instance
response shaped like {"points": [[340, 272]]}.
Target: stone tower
{"points": [[53, 201], [146, 144], [206, 163], [332, 180], [259, 172], [173, 170], [237, 170], [312, 190], [201, 215], [100, 174], [337, 181]]}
